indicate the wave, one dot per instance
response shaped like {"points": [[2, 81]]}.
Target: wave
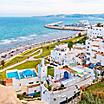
{"points": [[18, 39], [95, 18]]}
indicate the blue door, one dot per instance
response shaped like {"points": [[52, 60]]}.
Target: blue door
{"points": [[66, 75]]}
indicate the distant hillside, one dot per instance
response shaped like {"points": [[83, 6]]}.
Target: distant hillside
{"points": [[77, 15]]}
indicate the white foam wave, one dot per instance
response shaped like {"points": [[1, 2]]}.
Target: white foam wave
{"points": [[19, 39], [6, 41]]}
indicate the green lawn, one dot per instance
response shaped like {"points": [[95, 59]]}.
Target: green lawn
{"points": [[15, 60], [45, 53], [99, 87], [29, 51], [2, 75], [50, 71], [35, 53], [28, 64]]}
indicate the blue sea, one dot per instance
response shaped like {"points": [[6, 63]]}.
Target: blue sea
{"points": [[17, 31]]}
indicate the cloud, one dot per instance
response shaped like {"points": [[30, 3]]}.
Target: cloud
{"points": [[45, 7]]}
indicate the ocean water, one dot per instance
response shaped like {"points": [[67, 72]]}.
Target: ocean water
{"points": [[16, 31]]}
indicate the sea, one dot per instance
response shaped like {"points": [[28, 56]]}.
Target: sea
{"points": [[20, 31]]}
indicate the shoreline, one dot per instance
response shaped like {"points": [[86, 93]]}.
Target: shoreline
{"points": [[27, 40], [22, 48]]}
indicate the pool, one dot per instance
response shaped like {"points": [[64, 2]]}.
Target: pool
{"points": [[27, 73], [13, 75], [21, 74]]}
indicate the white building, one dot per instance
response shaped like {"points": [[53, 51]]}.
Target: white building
{"points": [[23, 81], [62, 95], [42, 71], [78, 48], [70, 77], [95, 50], [64, 56], [59, 53], [95, 31]]}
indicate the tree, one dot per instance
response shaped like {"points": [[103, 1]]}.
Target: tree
{"points": [[2, 62], [48, 47], [79, 34], [70, 44], [99, 25]]}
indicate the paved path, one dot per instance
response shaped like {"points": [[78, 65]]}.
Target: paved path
{"points": [[39, 50], [29, 59], [9, 67]]}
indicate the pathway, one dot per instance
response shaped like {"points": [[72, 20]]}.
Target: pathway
{"points": [[29, 59]]}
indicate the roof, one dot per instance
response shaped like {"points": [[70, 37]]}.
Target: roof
{"points": [[78, 69], [8, 80], [35, 85], [69, 70], [100, 53]]}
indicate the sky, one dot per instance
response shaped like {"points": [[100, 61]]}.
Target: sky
{"points": [[49, 7]]}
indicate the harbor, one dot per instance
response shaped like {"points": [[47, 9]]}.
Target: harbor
{"points": [[81, 26]]}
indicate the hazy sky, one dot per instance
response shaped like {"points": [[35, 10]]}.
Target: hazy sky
{"points": [[47, 7]]}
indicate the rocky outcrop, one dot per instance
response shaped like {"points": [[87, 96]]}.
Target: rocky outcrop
{"points": [[8, 95]]}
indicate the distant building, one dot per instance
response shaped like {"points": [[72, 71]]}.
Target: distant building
{"points": [[95, 31]]}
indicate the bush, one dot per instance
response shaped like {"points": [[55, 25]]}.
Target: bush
{"points": [[70, 44], [20, 96], [37, 94], [88, 98]]}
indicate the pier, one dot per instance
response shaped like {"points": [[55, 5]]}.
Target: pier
{"points": [[64, 27]]}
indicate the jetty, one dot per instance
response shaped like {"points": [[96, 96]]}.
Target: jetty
{"points": [[57, 26]]}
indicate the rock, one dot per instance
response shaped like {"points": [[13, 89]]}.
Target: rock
{"points": [[8, 95]]}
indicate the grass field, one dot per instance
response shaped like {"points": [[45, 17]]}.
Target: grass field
{"points": [[99, 87], [28, 64], [94, 94]]}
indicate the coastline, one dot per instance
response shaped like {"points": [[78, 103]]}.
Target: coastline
{"points": [[8, 54], [36, 39]]}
